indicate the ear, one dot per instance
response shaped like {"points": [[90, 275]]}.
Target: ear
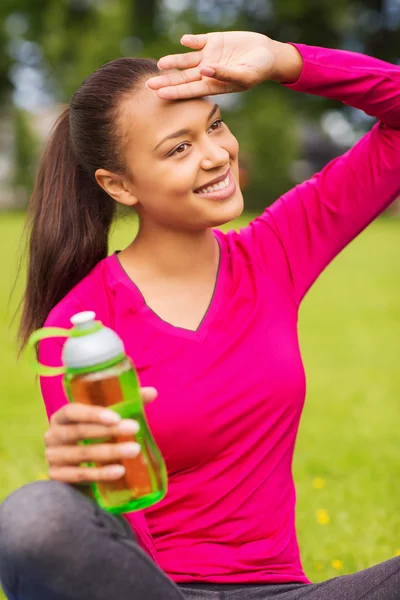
{"points": [[116, 186]]}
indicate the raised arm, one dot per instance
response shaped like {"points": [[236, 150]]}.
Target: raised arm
{"points": [[314, 221], [306, 228]]}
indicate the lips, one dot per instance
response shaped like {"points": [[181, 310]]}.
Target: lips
{"points": [[226, 191], [213, 181]]}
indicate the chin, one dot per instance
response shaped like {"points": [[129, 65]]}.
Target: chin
{"points": [[229, 212]]}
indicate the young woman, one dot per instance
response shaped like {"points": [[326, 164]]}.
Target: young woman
{"points": [[209, 319]]}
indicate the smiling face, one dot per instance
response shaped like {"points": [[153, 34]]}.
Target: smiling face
{"points": [[174, 152]]}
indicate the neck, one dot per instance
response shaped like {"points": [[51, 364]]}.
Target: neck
{"points": [[171, 253]]}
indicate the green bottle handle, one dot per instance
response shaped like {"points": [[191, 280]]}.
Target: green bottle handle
{"points": [[41, 334]]}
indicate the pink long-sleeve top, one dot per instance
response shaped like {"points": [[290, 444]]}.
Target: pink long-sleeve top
{"points": [[231, 393]]}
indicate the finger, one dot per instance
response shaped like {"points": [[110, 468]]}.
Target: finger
{"points": [[76, 411], [180, 61], [60, 435], [176, 78], [194, 41], [86, 474], [148, 394], [196, 89], [238, 76], [103, 453]]}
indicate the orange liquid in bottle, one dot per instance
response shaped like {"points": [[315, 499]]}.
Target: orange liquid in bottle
{"points": [[142, 474]]}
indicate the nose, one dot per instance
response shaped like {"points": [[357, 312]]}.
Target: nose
{"points": [[214, 155]]}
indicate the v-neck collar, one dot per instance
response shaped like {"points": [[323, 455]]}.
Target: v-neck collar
{"points": [[154, 319]]}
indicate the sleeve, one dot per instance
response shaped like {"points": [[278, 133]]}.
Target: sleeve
{"points": [[298, 235]]}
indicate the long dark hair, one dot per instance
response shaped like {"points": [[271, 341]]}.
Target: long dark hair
{"points": [[70, 215]]}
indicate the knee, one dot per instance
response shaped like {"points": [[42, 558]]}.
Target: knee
{"points": [[36, 517]]}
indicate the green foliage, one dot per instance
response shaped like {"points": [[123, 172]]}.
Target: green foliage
{"points": [[77, 36], [76, 41], [26, 150], [266, 131]]}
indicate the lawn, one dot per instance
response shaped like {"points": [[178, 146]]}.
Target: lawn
{"points": [[347, 457]]}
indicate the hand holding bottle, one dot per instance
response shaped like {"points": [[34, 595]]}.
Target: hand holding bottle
{"points": [[76, 422], [125, 469]]}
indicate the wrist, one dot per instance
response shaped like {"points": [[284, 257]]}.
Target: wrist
{"points": [[288, 63]]}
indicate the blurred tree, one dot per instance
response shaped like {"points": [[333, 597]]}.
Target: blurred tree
{"points": [[19, 20], [265, 127], [57, 43], [25, 148]]}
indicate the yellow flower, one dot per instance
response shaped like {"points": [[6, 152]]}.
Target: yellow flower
{"points": [[319, 566], [318, 483], [397, 553], [41, 477], [322, 516], [337, 564]]}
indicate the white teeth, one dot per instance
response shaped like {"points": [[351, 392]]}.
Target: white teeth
{"points": [[216, 187]]}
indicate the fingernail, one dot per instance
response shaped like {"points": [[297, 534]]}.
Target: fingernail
{"points": [[130, 449], [128, 426], [109, 416], [115, 470]]}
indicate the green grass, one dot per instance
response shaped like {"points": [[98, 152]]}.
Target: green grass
{"points": [[348, 440]]}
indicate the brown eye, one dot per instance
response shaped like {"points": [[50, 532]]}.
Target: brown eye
{"points": [[217, 124], [181, 148]]}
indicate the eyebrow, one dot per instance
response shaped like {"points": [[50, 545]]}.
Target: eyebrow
{"points": [[182, 132]]}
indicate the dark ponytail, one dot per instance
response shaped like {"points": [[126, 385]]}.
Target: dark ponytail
{"points": [[70, 215]]}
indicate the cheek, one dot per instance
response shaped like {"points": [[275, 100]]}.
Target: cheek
{"points": [[179, 176], [234, 147], [173, 181]]}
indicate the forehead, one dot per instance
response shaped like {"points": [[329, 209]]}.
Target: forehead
{"points": [[149, 118]]}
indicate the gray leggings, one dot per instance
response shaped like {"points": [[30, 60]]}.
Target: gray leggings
{"points": [[56, 544]]}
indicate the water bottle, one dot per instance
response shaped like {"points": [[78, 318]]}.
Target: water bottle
{"points": [[97, 371]]}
